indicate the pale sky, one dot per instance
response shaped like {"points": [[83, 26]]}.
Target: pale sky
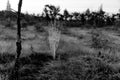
{"points": [[36, 6]]}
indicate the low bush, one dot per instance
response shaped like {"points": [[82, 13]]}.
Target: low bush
{"points": [[72, 24], [81, 68], [117, 23], [39, 27], [40, 66], [6, 58], [99, 40]]}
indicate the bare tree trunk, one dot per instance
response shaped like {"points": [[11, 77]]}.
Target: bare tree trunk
{"points": [[15, 75]]}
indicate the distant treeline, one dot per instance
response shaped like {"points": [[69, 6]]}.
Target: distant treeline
{"points": [[75, 19]]}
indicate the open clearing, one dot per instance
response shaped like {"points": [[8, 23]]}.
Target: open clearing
{"points": [[76, 58], [76, 39]]}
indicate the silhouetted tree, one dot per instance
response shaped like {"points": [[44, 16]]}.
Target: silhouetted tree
{"points": [[83, 19], [66, 14], [52, 11], [76, 15], [87, 12], [61, 17], [100, 17], [46, 14], [88, 16]]}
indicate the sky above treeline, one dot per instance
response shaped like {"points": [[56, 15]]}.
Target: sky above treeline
{"points": [[36, 6]]}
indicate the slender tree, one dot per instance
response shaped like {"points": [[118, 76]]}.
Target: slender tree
{"points": [[53, 31], [53, 11], [76, 15], [66, 14], [15, 75]]}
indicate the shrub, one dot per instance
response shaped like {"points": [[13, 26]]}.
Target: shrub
{"points": [[39, 27], [32, 64], [24, 24], [9, 24], [87, 26], [6, 58], [72, 23], [99, 40], [6, 65], [81, 68], [117, 23]]}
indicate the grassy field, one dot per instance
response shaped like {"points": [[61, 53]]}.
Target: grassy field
{"points": [[83, 54]]}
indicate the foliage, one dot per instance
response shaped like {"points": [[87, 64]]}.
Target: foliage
{"points": [[72, 24], [98, 40], [66, 14], [39, 27], [51, 11], [82, 68], [6, 58], [117, 23]]}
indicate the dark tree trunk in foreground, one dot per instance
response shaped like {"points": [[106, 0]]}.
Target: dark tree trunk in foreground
{"points": [[15, 75]]}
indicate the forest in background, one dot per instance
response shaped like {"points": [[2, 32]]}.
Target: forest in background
{"points": [[50, 13]]}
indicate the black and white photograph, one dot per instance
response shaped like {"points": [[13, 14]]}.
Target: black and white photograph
{"points": [[59, 39]]}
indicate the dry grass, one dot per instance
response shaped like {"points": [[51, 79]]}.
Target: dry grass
{"points": [[75, 60], [54, 38]]}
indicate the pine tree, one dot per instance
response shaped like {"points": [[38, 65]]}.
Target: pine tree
{"points": [[8, 8]]}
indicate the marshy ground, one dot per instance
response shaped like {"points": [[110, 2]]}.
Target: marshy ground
{"points": [[77, 56]]}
